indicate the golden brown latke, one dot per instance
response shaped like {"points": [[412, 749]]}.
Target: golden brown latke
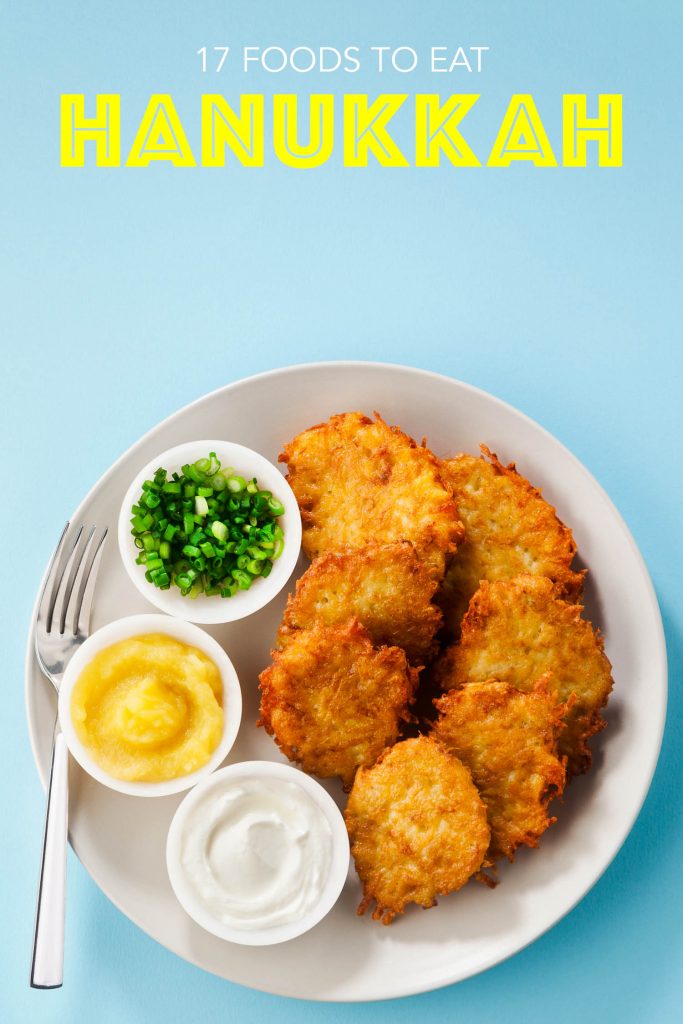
{"points": [[516, 631], [358, 481], [508, 740], [417, 826], [509, 529], [333, 701], [385, 586]]}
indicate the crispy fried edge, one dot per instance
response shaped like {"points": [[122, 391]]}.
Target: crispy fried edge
{"points": [[580, 759], [554, 779], [382, 912], [406, 552], [568, 582], [308, 517], [351, 630]]}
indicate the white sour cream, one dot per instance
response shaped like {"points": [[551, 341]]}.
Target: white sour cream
{"points": [[257, 852]]}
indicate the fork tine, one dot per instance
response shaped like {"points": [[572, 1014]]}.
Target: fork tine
{"points": [[53, 561], [66, 560], [53, 577], [86, 586], [77, 562]]}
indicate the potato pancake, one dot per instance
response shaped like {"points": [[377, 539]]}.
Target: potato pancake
{"points": [[517, 631], [385, 586], [508, 740], [417, 826], [333, 701], [509, 529], [357, 480]]}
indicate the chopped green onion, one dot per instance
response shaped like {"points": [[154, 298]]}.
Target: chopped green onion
{"points": [[236, 484], [219, 530], [206, 530]]}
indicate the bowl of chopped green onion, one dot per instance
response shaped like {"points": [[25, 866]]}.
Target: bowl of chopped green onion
{"points": [[209, 531]]}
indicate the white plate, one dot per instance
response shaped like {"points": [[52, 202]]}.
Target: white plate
{"points": [[121, 840]]}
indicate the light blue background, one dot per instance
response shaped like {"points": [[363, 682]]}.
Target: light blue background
{"points": [[125, 294]]}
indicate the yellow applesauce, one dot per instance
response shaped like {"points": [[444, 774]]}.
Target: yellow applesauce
{"points": [[149, 708]]}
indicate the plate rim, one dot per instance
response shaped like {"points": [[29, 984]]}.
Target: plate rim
{"points": [[660, 667]]}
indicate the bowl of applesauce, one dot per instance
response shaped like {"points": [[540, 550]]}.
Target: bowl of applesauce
{"points": [[149, 705]]}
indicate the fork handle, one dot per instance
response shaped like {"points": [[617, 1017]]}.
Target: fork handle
{"points": [[47, 966]]}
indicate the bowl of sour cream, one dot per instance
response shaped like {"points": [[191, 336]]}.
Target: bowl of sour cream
{"points": [[257, 853]]}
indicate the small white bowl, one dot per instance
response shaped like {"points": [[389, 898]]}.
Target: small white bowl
{"points": [[124, 629], [215, 609], [336, 875]]}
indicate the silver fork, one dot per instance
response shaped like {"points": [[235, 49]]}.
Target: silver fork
{"points": [[62, 624]]}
